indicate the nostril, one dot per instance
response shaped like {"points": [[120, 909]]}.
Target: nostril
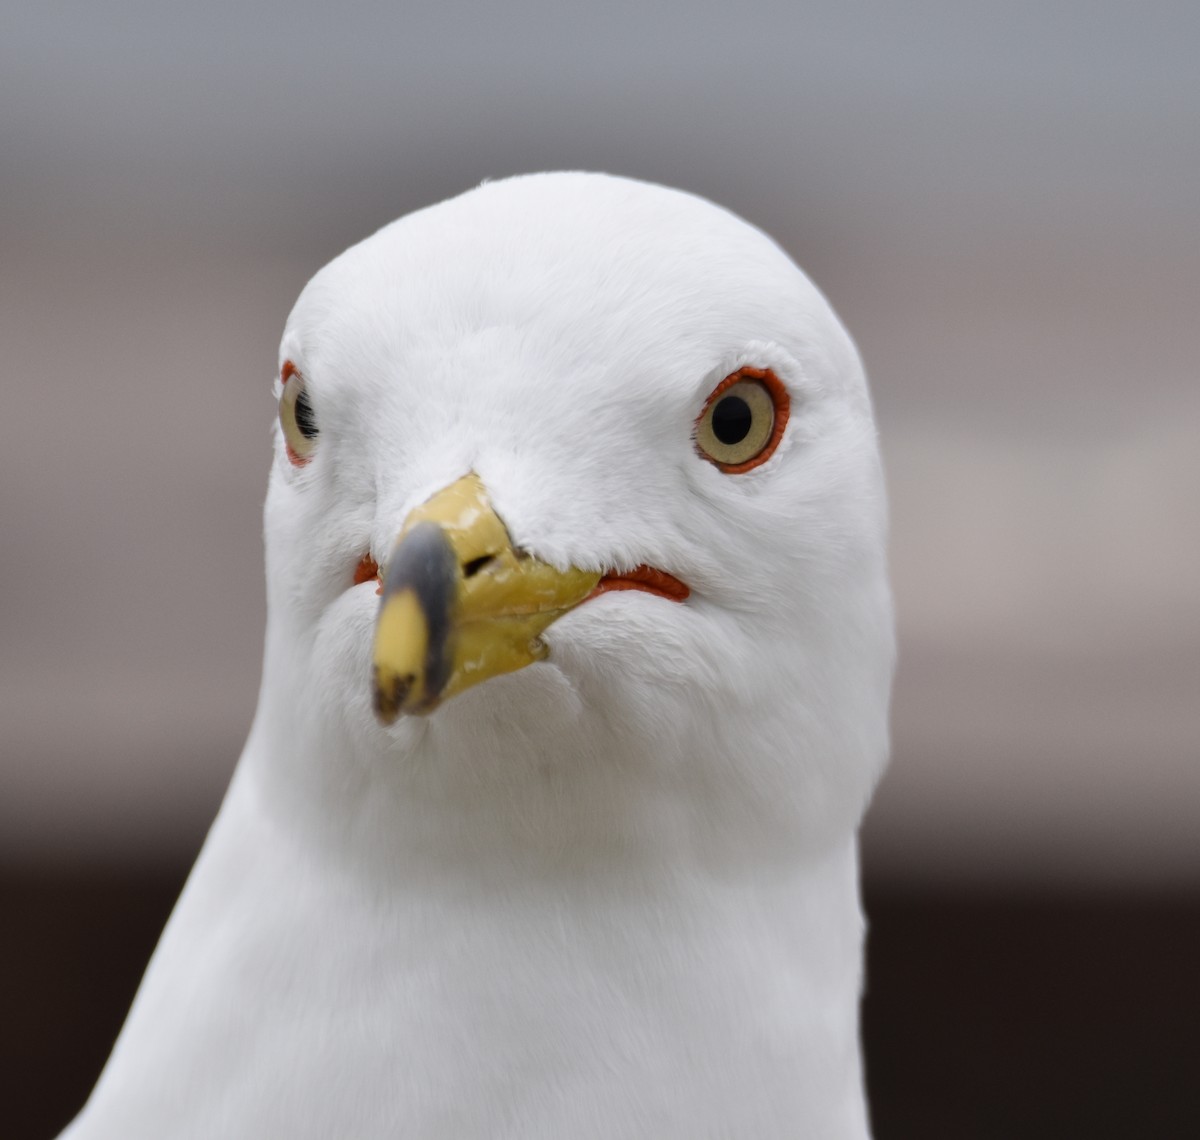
{"points": [[470, 569]]}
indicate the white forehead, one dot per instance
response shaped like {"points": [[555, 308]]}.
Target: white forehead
{"points": [[562, 270]]}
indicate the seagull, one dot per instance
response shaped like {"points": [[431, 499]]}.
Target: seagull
{"points": [[575, 689]]}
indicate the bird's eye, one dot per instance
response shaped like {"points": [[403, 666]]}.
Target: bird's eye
{"points": [[296, 417], [743, 420]]}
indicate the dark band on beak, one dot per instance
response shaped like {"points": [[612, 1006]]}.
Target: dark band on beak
{"points": [[424, 564]]}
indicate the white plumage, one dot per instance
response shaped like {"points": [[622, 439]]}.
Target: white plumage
{"points": [[613, 894]]}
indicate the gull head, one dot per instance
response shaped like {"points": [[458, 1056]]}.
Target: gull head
{"points": [[576, 477]]}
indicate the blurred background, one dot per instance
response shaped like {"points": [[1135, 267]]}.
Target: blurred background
{"points": [[1002, 203]]}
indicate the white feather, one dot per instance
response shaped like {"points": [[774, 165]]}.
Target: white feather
{"points": [[613, 894]]}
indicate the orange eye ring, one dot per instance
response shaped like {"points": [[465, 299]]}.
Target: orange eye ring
{"points": [[763, 408], [296, 417]]}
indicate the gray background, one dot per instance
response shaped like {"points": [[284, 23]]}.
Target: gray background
{"points": [[1000, 200]]}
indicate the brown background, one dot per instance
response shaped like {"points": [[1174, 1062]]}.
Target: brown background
{"points": [[1001, 201]]}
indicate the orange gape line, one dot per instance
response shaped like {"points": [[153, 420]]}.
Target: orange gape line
{"points": [[367, 569], [644, 578], [641, 578]]}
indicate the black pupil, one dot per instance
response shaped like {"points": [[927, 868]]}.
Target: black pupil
{"points": [[731, 420], [305, 420]]}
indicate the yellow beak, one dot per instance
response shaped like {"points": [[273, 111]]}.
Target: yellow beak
{"points": [[461, 603]]}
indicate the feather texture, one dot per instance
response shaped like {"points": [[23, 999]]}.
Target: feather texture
{"points": [[613, 894]]}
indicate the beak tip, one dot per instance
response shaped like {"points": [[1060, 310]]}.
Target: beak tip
{"points": [[389, 694]]}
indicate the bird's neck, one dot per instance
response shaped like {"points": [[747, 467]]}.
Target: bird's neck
{"points": [[740, 963]]}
